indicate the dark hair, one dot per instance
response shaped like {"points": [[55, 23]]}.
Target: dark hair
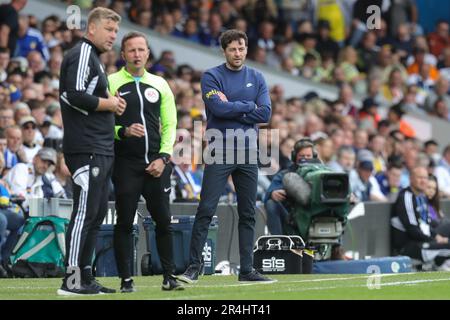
{"points": [[434, 202], [232, 35], [303, 143], [383, 123], [395, 165], [395, 161], [431, 142], [4, 50], [132, 35]]}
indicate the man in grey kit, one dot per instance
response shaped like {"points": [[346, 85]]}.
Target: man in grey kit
{"points": [[236, 98]]}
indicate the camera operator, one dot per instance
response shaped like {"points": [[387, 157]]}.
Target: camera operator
{"points": [[275, 201]]}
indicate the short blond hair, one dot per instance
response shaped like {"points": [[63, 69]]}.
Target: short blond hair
{"points": [[101, 13]]}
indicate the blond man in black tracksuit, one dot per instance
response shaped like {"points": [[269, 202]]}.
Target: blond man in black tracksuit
{"points": [[88, 117]]}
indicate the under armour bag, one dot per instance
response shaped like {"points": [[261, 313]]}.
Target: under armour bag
{"points": [[40, 251]]}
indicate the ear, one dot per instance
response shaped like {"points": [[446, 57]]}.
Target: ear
{"points": [[92, 28]]}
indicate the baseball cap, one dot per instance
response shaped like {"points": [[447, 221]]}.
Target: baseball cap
{"points": [[48, 154], [26, 120], [366, 165], [365, 155]]}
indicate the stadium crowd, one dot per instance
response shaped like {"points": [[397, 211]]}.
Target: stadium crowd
{"points": [[396, 66]]}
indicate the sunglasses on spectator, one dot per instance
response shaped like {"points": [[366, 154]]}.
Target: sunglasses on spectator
{"points": [[29, 126]]}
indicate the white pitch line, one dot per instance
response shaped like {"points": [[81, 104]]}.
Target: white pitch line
{"points": [[300, 289], [308, 280], [397, 283], [259, 283]]}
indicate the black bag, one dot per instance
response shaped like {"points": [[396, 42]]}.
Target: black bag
{"points": [[27, 269], [280, 254]]}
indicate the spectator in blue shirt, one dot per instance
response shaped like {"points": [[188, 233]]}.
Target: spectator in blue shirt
{"points": [[30, 39], [389, 181], [11, 220]]}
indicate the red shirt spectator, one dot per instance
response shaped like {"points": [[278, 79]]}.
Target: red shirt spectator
{"points": [[439, 39]]}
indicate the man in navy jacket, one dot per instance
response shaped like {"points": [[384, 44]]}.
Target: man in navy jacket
{"points": [[236, 100]]}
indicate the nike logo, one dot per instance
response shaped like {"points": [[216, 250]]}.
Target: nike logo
{"points": [[249, 85], [167, 189], [124, 93], [166, 285]]}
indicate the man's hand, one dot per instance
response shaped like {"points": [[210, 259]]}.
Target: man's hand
{"points": [[22, 155], [279, 195], [441, 239], [122, 104], [135, 130], [222, 96], [156, 167]]}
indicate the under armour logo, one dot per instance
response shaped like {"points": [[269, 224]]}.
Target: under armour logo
{"points": [[249, 85]]}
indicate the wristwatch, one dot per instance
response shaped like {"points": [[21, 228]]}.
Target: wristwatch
{"points": [[165, 158]]}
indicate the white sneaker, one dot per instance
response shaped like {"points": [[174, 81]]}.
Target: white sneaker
{"points": [[445, 266]]}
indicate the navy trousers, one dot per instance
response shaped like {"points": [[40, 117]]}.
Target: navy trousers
{"points": [[245, 178]]}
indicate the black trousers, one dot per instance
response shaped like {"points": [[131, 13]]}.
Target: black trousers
{"points": [[90, 175], [130, 182]]}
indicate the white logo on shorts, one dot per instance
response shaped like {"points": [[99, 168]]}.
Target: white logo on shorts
{"points": [[95, 171], [152, 95]]}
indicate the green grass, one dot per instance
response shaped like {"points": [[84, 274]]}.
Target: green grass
{"points": [[415, 286]]}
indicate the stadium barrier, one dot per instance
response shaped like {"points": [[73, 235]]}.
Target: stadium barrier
{"points": [[367, 233]]}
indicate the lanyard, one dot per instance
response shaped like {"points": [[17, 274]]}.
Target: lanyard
{"points": [[422, 208]]}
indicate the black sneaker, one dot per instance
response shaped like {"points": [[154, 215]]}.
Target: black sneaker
{"points": [[94, 283], [3, 272], [84, 289], [190, 276], [127, 286], [254, 276], [171, 283]]}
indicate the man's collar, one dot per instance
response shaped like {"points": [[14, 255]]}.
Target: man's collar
{"points": [[125, 71], [89, 42], [29, 145]]}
